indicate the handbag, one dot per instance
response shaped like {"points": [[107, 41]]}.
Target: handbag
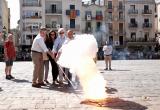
{"points": [[45, 57]]}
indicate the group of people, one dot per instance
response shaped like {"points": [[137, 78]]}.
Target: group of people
{"points": [[47, 48]]}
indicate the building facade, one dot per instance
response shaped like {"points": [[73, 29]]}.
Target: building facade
{"points": [[48, 13], [4, 23], [93, 21], [115, 21]]}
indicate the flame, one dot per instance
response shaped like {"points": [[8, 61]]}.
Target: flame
{"points": [[78, 55]]}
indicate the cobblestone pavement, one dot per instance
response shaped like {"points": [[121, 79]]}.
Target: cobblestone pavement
{"points": [[134, 84]]}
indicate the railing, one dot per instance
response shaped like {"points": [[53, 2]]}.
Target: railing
{"points": [[132, 25], [147, 11], [32, 17], [76, 28], [32, 4], [147, 25], [121, 7], [132, 11], [141, 40], [50, 11]]}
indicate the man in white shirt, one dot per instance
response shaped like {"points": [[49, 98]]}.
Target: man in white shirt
{"points": [[39, 47], [107, 55]]}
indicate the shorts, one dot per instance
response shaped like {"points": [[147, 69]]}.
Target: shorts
{"points": [[9, 62]]}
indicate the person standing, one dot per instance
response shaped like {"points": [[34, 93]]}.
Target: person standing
{"points": [[108, 55], [57, 45], [69, 37], [49, 43], [38, 47], [10, 55]]}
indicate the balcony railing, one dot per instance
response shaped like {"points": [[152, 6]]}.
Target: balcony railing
{"points": [[51, 26], [147, 25], [121, 8], [76, 28], [147, 11], [141, 40], [31, 4], [132, 11], [32, 17], [50, 11], [132, 25]]}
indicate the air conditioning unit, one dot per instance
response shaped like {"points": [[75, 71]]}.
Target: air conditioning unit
{"points": [[57, 26], [88, 17], [116, 43]]}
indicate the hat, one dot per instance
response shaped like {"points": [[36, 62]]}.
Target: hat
{"points": [[43, 28], [60, 29]]}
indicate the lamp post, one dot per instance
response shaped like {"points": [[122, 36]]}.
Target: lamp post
{"points": [[4, 33]]}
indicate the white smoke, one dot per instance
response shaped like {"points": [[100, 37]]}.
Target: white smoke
{"points": [[78, 55]]}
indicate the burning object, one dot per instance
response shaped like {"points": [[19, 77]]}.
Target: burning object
{"points": [[78, 56]]}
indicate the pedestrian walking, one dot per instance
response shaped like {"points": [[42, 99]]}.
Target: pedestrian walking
{"points": [[108, 55], [39, 47], [10, 56]]}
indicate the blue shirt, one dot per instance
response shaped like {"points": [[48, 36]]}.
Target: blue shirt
{"points": [[58, 43]]}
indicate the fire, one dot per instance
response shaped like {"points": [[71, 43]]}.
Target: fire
{"points": [[78, 55]]}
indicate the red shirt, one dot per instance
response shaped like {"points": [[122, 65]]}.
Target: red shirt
{"points": [[9, 50]]}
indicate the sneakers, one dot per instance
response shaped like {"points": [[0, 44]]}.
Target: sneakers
{"points": [[9, 77]]}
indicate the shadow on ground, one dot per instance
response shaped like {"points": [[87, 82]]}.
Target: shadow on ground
{"points": [[1, 89], [102, 70], [21, 81], [115, 103], [63, 88], [110, 90]]}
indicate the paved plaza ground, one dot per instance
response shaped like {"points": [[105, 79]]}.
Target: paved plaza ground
{"points": [[133, 84]]}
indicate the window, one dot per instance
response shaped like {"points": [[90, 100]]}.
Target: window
{"points": [[110, 15], [72, 23], [53, 8], [146, 7], [109, 4], [132, 7], [72, 7], [133, 36]]}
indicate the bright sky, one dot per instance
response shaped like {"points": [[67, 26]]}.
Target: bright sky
{"points": [[14, 12]]}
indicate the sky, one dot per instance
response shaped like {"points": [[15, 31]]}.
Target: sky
{"points": [[14, 12]]}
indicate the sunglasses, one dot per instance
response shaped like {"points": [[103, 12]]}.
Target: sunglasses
{"points": [[52, 34], [61, 33]]}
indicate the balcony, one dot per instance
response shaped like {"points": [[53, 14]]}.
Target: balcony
{"points": [[31, 5], [147, 25], [132, 25], [32, 17], [141, 41], [54, 27], [147, 11], [50, 11], [121, 8], [99, 17], [76, 28], [132, 11]]}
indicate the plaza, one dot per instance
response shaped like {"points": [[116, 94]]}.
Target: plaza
{"points": [[134, 82]]}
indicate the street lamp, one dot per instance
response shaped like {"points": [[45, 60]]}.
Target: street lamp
{"points": [[4, 33]]}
